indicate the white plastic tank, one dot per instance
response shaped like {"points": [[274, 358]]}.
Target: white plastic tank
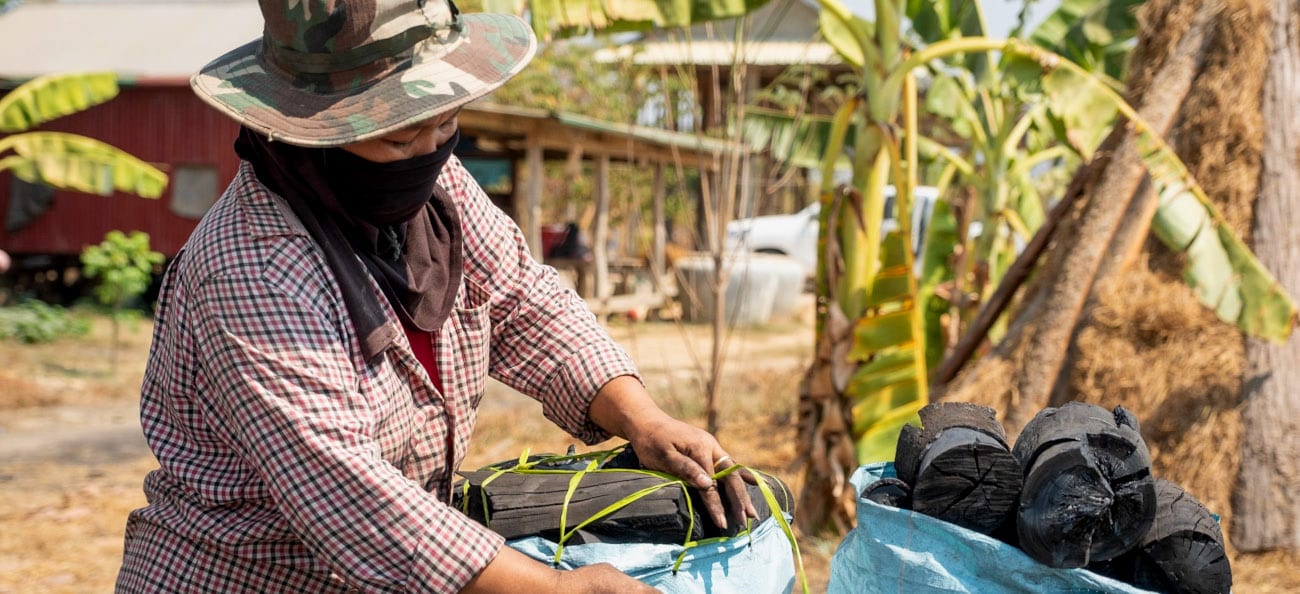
{"points": [[760, 287]]}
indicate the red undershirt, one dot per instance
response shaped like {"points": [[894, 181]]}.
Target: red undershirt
{"points": [[422, 344]]}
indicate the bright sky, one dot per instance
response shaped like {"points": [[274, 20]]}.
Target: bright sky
{"points": [[1000, 15]]}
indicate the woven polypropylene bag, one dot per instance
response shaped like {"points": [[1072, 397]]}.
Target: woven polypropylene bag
{"points": [[899, 551], [757, 563]]}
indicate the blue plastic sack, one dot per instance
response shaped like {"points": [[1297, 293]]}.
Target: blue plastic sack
{"points": [[896, 550], [757, 563]]}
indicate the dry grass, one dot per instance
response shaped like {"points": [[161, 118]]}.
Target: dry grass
{"points": [[62, 512], [61, 516]]}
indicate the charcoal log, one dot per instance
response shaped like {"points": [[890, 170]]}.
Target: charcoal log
{"points": [[1183, 551], [907, 455], [516, 505], [889, 491], [1088, 491], [960, 467]]}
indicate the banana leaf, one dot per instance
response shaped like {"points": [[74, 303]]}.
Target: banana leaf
{"points": [[79, 163], [936, 268], [800, 142], [852, 37], [49, 97], [888, 387], [1219, 267], [1266, 309], [1094, 33]]}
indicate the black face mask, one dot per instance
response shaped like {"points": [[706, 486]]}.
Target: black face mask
{"points": [[385, 193]]}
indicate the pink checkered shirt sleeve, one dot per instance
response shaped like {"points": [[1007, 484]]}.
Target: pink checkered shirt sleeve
{"points": [[287, 462], [283, 394]]}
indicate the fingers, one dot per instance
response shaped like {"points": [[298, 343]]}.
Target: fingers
{"points": [[713, 504], [687, 467], [737, 500]]}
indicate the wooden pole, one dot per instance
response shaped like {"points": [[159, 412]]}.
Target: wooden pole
{"points": [[533, 204], [600, 250], [658, 260]]}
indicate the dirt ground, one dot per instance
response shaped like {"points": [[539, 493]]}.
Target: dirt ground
{"points": [[72, 457]]}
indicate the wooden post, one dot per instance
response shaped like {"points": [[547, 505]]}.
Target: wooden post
{"points": [[631, 229], [532, 215], [658, 262], [600, 249]]}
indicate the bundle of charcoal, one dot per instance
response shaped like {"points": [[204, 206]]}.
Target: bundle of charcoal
{"points": [[1182, 552], [618, 502], [957, 467], [1089, 494], [1076, 491]]}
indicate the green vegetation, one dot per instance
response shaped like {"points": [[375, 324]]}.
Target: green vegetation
{"points": [[34, 321], [124, 265], [69, 161]]}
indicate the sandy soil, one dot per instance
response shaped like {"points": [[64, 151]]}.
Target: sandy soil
{"points": [[72, 456]]}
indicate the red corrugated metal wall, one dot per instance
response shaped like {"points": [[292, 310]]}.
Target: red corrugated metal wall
{"points": [[160, 124]]}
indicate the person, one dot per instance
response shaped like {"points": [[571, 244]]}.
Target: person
{"points": [[322, 340]]}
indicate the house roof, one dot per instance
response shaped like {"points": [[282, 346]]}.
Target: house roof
{"points": [[779, 33], [562, 132], [137, 39], [724, 53]]}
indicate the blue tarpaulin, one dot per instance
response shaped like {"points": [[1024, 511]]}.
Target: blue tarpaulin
{"points": [[758, 563], [899, 551]]}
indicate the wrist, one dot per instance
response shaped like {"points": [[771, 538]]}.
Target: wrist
{"points": [[624, 408]]}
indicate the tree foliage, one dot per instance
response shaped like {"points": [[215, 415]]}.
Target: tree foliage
{"points": [[69, 161], [123, 264]]}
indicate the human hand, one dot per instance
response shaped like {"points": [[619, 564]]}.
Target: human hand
{"points": [[683, 450], [624, 408], [511, 572], [600, 578]]}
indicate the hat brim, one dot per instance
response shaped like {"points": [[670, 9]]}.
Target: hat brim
{"points": [[488, 51]]}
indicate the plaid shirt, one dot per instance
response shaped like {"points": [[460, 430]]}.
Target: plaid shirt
{"points": [[287, 462]]}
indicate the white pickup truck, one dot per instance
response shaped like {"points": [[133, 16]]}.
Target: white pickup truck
{"points": [[795, 235]]}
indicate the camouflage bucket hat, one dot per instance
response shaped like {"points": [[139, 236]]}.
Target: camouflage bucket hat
{"points": [[333, 72]]}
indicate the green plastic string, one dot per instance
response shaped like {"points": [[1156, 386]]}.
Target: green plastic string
{"points": [[564, 509], [464, 498], [773, 505], [482, 492]]}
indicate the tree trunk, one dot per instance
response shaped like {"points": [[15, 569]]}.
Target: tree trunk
{"points": [[1029, 360], [826, 500], [1266, 509]]}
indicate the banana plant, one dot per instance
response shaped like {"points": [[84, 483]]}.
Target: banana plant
{"points": [[870, 340], [1095, 34], [63, 160]]}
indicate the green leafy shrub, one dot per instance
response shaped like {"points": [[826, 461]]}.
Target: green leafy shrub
{"points": [[123, 265], [35, 321]]}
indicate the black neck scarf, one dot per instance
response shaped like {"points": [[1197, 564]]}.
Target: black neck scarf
{"points": [[393, 216]]}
